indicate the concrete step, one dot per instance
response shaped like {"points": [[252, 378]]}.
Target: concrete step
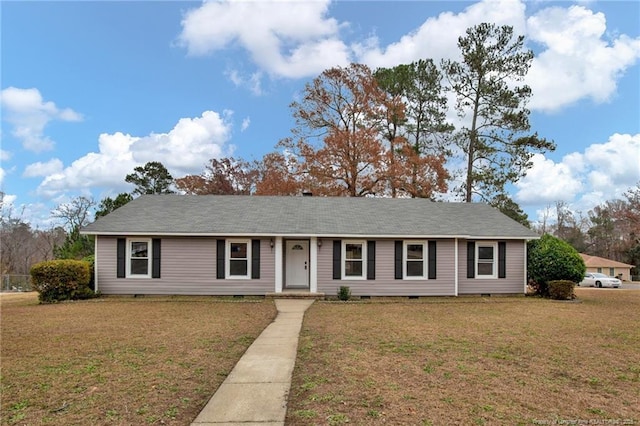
{"points": [[288, 294]]}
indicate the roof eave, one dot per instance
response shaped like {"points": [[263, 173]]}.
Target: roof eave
{"points": [[308, 235]]}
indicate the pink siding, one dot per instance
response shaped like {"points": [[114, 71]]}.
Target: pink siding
{"points": [[385, 284], [188, 266]]}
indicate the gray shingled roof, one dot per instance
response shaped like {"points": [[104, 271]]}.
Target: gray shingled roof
{"points": [[305, 216]]}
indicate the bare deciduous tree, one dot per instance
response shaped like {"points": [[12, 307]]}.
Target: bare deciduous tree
{"points": [[75, 213]]}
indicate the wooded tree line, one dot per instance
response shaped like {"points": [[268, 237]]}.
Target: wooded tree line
{"points": [[22, 245], [610, 230]]}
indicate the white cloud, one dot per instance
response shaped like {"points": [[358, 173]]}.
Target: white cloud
{"points": [[607, 170], [43, 169], [28, 113], [36, 214], [298, 39], [577, 59], [183, 150], [289, 39], [437, 37], [546, 182], [8, 199], [618, 160], [253, 81], [577, 62], [4, 156], [3, 174], [245, 124], [7, 204]]}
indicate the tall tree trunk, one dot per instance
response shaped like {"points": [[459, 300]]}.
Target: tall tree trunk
{"points": [[469, 184], [473, 139]]}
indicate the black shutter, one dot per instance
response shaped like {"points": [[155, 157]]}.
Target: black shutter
{"points": [[502, 259], [398, 260], [220, 259], [155, 261], [337, 259], [432, 260], [255, 259], [371, 260], [471, 261], [121, 255]]}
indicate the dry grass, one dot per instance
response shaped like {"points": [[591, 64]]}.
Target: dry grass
{"points": [[432, 361], [471, 361], [120, 361]]}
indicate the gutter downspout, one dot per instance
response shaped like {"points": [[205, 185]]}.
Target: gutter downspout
{"points": [[455, 261], [525, 266], [95, 263]]}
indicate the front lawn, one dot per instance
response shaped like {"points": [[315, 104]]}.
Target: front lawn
{"points": [[120, 361], [466, 361], [429, 361]]}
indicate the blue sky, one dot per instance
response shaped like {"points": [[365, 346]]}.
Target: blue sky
{"points": [[92, 89]]}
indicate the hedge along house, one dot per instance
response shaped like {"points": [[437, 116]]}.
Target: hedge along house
{"points": [[259, 245]]}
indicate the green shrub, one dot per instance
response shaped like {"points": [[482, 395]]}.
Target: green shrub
{"points": [[550, 258], [91, 260], [58, 280], [561, 289], [344, 293]]}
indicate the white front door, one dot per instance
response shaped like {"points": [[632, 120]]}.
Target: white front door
{"points": [[297, 260]]}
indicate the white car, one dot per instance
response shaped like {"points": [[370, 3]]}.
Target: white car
{"points": [[596, 279]]}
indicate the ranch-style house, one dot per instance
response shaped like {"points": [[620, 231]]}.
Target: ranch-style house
{"points": [[265, 245]]}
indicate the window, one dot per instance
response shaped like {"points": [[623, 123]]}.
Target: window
{"points": [[486, 260], [415, 255], [415, 260], [139, 258], [612, 272], [354, 260], [238, 258], [599, 270]]}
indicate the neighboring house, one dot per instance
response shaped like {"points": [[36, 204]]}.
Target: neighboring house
{"points": [[607, 266], [259, 245]]}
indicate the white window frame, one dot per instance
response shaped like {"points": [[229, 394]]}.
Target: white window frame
{"points": [[227, 260], [405, 260], [130, 241], [363, 243], [494, 245]]}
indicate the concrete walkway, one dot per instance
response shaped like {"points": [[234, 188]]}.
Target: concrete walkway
{"points": [[256, 390]]}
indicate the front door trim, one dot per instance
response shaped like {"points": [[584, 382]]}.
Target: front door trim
{"points": [[297, 261]]}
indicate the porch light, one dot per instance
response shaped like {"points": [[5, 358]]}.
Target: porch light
{"points": [[319, 243], [271, 243]]}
